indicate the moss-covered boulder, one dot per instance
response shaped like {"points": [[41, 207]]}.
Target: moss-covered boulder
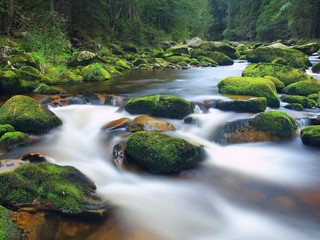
{"points": [[222, 47], [249, 86], [64, 76], [12, 140], [221, 58], [95, 72], [253, 105], [207, 62], [280, 61], [277, 83], [149, 124], [160, 153], [304, 101], [43, 88], [160, 106], [266, 126], [310, 136], [49, 186], [19, 59], [285, 74], [8, 230], [178, 59], [308, 48], [84, 58], [294, 106], [26, 115], [21, 80], [139, 61], [4, 128], [294, 57], [303, 88], [178, 50], [316, 68]]}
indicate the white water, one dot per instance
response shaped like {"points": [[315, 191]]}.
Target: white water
{"points": [[191, 208]]}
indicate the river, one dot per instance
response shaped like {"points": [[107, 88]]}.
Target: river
{"points": [[244, 191]]}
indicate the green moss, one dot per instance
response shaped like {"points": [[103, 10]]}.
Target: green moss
{"points": [[304, 101], [285, 74], [26, 115], [259, 87], [8, 230], [160, 153], [178, 50], [122, 63], [275, 123], [294, 57], [178, 59], [294, 106], [160, 106], [280, 61], [253, 105], [139, 61], [220, 58], [12, 140], [207, 62], [43, 88], [95, 72], [62, 188], [303, 88], [316, 68], [307, 49], [310, 135], [277, 83], [4, 128]]}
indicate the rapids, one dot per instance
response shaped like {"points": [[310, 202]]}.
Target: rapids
{"points": [[243, 191]]}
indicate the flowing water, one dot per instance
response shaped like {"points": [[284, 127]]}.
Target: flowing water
{"points": [[243, 191]]}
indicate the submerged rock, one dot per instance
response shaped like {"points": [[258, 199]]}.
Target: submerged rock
{"points": [[160, 106], [266, 126], [310, 135], [250, 86], [149, 124], [48, 186], [26, 115], [160, 153], [119, 156]]}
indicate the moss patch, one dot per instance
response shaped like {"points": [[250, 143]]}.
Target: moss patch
{"points": [[310, 135], [304, 101], [253, 105], [303, 88], [8, 230], [12, 140], [4, 128], [95, 72]]}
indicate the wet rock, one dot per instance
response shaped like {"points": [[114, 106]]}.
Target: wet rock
{"points": [[26, 115], [119, 123], [250, 86], [84, 58], [252, 105], [160, 106], [13, 140], [194, 42], [222, 47], [304, 101], [310, 135], [34, 158], [303, 88], [119, 156], [161, 154], [149, 124], [115, 101], [48, 186], [294, 106], [316, 68], [266, 126], [11, 164]]}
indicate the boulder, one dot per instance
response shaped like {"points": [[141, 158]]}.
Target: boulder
{"points": [[48, 186], [252, 105], [119, 123], [221, 58], [4, 128], [316, 68], [26, 115], [194, 42], [225, 48], [286, 74], [308, 48], [267, 54], [303, 88], [160, 106], [277, 83], [294, 106], [19, 59], [266, 126], [43, 88], [304, 101], [160, 153], [12, 140], [119, 156], [310, 136], [8, 229], [84, 58], [249, 86], [95, 72], [147, 123], [178, 50]]}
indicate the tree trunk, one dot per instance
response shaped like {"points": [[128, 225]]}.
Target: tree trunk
{"points": [[51, 5], [9, 16]]}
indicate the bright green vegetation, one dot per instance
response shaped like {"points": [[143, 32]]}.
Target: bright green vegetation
{"points": [[307, 49], [249, 86], [43, 88], [4, 128], [95, 72], [11, 140], [277, 83], [310, 135], [160, 153], [253, 105], [294, 106], [285, 74], [160, 106], [303, 88], [61, 188], [8, 230], [26, 115], [293, 57], [304, 101]]}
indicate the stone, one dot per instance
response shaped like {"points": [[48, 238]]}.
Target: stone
{"points": [[303, 88], [147, 123], [252, 105], [118, 123], [310, 136]]}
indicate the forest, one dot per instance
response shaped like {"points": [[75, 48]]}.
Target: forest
{"points": [[152, 21]]}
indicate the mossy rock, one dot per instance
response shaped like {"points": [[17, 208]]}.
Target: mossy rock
{"points": [[122, 64], [43, 88], [280, 61], [160, 106], [139, 61], [294, 57], [178, 59], [315, 97], [12, 140], [308, 48], [20, 59], [130, 47], [194, 62], [221, 58], [316, 68], [4, 128], [207, 62], [95, 72], [285, 74], [225, 48], [84, 58], [303, 88], [8, 230], [26, 115], [60, 188], [277, 83], [310, 136], [253, 105], [294, 106], [304, 101], [64, 76], [178, 50], [22, 80], [249, 86], [160, 153], [161, 62], [266, 126]]}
